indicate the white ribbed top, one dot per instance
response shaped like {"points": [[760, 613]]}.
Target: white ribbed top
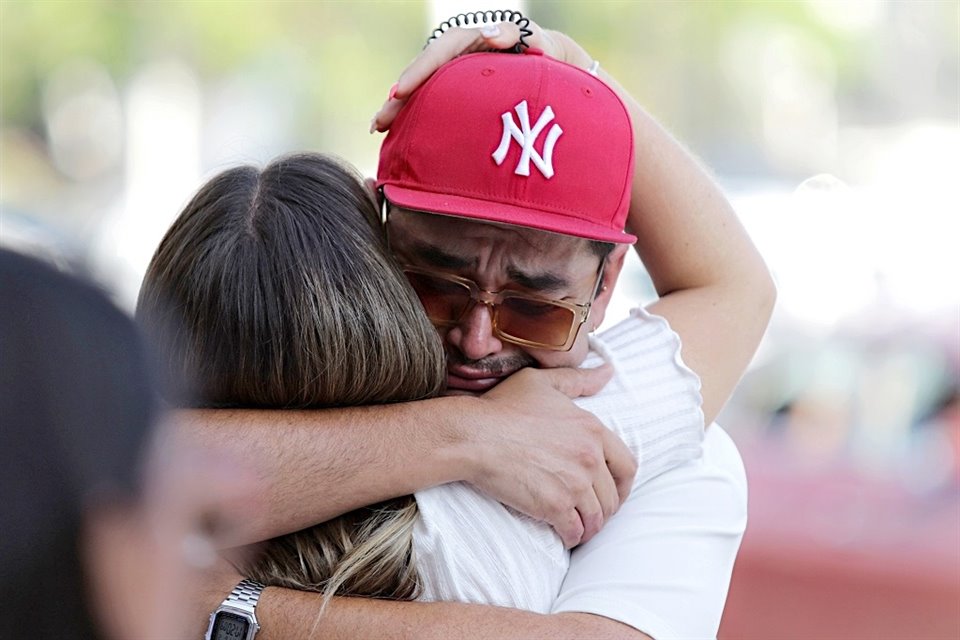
{"points": [[470, 548]]}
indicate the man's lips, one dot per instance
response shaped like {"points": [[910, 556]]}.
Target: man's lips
{"points": [[478, 376], [472, 379]]}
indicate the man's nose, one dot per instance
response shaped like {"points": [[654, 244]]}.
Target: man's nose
{"points": [[473, 335]]}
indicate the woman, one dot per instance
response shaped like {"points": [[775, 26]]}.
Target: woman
{"points": [[273, 289]]}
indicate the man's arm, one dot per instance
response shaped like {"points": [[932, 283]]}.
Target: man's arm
{"points": [[286, 614], [669, 564], [662, 565], [546, 459], [348, 618]]}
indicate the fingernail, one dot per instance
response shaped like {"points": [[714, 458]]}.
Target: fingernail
{"points": [[393, 91], [373, 124], [490, 31]]}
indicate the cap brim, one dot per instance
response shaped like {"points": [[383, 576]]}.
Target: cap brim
{"points": [[487, 211]]}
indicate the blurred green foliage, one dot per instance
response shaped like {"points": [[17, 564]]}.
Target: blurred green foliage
{"points": [[679, 57], [355, 43]]}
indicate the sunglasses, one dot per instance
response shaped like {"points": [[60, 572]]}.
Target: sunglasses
{"points": [[518, 317]]}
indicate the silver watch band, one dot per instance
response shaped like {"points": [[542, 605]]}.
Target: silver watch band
{"points": [[245, 595], [242, 602]]}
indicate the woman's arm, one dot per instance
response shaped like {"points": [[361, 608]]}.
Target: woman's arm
{"points": [[715, 289]]}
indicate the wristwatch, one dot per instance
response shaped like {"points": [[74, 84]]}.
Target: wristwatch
{"points": [[236, 618]]}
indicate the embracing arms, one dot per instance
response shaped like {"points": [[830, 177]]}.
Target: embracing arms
{"points": [[565, 453], [671, 569], [716, 294], [545, 459]]}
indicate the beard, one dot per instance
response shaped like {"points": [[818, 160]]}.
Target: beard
{"points": [[496, 366]]}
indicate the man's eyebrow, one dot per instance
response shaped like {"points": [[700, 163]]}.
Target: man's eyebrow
{"points": [[437, 257], [545, 281]]}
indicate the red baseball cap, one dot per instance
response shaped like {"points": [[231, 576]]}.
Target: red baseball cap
{"points": [[524, 140]]}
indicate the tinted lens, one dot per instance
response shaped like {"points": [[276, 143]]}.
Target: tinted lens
{"points": [[444, 300], [535, 320]]}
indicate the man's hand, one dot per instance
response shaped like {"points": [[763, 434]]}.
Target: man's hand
{"points": [[539, 453], [459, 41]]}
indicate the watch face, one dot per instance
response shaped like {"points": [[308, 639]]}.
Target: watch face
{"points": [[229, 626]]}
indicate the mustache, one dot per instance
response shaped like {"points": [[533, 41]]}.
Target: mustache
{"points": [[495, 366]]}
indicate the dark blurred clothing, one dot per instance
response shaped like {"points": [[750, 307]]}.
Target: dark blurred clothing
{"points": [[75, 408]]}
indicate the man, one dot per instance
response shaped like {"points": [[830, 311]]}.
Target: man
{"points": [[678, 529]]}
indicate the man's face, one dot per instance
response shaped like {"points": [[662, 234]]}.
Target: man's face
{"points": [[502, 258]]}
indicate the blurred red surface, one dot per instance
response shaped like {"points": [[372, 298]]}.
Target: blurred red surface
{"points": [[834, 553]]}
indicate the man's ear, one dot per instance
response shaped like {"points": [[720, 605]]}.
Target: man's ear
{"points": [[376, 195], [611, 272], [371, 184]]}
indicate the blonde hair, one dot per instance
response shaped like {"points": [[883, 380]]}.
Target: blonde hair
{"points": [[366, 552], [273, 288]]}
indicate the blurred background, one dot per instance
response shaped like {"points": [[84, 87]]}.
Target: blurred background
{"points": [[834, 127]]}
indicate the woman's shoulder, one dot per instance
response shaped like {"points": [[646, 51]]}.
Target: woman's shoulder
{"points": [[470, 548]]}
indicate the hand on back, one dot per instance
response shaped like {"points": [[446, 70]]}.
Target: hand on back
{"points": [[544, 456]]}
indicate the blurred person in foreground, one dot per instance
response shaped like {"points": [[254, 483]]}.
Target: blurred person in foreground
{"points": [[661, 566], [96, 514]]}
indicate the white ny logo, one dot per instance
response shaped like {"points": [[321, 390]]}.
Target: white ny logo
{"points": [[526, 137]]}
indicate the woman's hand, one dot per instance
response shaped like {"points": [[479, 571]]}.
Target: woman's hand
{"points": [[457, 41]]}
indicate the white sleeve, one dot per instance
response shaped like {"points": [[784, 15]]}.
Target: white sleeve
{"points": [[663, 563], [653, 401], [468, 547]]}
